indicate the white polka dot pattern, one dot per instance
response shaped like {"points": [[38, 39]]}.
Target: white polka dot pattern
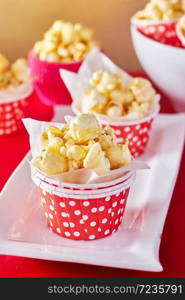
{"points": [[72, 203], [10, 117], [137, 136], [70, 218], [163, 33]]}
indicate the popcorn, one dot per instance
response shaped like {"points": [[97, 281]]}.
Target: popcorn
{"points": [[105, 81], [162, 10], [81, 144], [109, 96], [51, 57], [118, 95], [84, 128], [68, 33], [142, 90], [14, 75], [77, 152], [107, 138], [96, 160], [51, 163], [20, 70], [4, 63], [54, 145], [93, 101], [65, 42], [52, 131], [118, 155], [114, 110]]}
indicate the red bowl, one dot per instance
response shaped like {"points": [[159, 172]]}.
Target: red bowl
{"points": [[47, 81]]}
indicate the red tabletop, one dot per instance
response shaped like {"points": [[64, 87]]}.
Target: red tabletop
{"points": [[12, 150]]}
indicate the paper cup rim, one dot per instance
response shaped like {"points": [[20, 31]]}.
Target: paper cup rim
{"points": [[56, 64], [104, 119], [83, 186], [96, 192], [55, 191], [135, 21]]}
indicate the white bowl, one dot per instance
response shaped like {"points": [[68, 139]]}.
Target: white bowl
{"points": [[164, 64]]}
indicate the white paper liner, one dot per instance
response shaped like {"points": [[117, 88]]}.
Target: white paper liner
{"points": [[84, 194], [81, 176], [121, 121], [77, 83], [18, 93], [94, 184]]}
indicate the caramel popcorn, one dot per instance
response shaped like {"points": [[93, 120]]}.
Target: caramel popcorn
{"points": [[162, 10], [107, 95], [65, 42], [12, 75], [80, 144]]}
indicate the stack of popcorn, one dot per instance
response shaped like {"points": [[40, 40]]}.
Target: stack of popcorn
{"points": [[158, 20], [110, 97], [81, 144], [127, 104], [64, 45], [13, 75], [65, 42], [82, 211], [15, 87]]}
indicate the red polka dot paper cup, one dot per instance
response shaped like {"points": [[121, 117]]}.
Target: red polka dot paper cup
{"points": [[161, 31], [88, 215], [12, 110], [47, 81], [136, 132]]}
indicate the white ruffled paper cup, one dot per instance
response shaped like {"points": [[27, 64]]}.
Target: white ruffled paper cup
{"points": [[161, 31], [12, 104], [84, 214]]}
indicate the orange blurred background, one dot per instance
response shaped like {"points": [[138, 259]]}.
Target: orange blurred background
{"points": [[23, 22]]}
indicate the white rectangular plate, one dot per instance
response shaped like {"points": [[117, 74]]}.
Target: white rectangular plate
{"points": [[135, 245]]}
